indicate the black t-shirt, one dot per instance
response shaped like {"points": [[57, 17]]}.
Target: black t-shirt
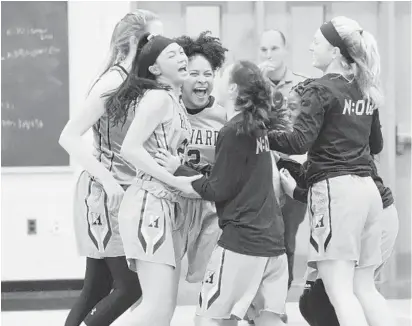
{"points": [[337, 127], [241, 185]]}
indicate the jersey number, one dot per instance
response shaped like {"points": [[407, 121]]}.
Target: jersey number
{"points": [[194, 156]]}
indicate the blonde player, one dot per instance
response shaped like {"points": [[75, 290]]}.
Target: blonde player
{"points": [[149, 215], [109, 286], [338, 113], [206, 55], [314, 303]]}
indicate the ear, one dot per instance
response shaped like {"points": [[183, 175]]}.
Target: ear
{"points": [[335, 52], [233, 90], [154, 70]]}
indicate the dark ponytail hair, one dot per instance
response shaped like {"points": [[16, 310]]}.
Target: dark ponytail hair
{"points": [[126, 96], [254, 98]]}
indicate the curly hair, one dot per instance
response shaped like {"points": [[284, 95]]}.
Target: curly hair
{"points": [[205, 45]]}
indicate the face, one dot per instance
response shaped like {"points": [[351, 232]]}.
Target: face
{"points": [[172, 64], [272, 49], [155, 27], [322, 52], [198, 86]]}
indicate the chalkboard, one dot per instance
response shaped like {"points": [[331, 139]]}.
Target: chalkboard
{"points": [[34, 83]]}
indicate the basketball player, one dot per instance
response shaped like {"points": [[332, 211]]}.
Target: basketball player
{"points": [[314, 303], [206, 55], [249, 265], [101, 185], [281, 78], [149, 214], [344, 204]]}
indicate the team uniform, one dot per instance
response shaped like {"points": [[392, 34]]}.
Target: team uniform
{"points": [[97, 228], [249, 263], [314, 303], [344, 205], [202, 227], [150, 216]]}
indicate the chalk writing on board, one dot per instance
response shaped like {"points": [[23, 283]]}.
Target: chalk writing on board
{"points": [[23, 53], [7, 105], [23, 124], [41, 33]]}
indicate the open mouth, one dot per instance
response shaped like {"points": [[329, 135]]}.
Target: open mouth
{"points": [[200, 92], [183, 69]]}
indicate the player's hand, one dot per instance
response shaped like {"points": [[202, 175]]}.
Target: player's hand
{"points": [[114, 193], [287, 181], [276, 156], [184, 184], [167, 160]]}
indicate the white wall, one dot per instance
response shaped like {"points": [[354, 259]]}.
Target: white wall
{"points": [[47, 197]]}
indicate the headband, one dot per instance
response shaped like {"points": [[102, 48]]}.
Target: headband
{"points": [[146, 59], [332, 36]]}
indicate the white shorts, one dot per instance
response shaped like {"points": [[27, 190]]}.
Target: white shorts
{"points": [[96, 227], [241, 286], [344, 214]]}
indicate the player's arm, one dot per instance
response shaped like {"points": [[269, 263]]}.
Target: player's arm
{"points": [[151, 110], [290, 187], [375, 137], [226, 172], [71, 136], [295, 169], [306, 128], [301, 194], [204, 169]]}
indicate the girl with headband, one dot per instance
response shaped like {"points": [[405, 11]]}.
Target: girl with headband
{"points": [[110, 288], [149, 215], [206, 55], [338, 126]]}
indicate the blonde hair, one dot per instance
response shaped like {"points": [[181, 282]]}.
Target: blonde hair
{"points": [[363, 49], [133, 24]]}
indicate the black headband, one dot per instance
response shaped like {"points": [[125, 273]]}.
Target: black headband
{"points": [[332, 36], [146, 59]]}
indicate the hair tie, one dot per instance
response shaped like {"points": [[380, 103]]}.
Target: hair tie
{"points": [[150, 37]]}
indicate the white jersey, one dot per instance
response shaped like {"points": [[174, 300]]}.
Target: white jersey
{"points": [[206, 124]]}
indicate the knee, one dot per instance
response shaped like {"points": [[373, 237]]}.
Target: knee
{"points": [[365, 291], [129, 293], [157, 314]]}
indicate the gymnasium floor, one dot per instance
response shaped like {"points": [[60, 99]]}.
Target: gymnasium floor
{"points": [[183, 316]]}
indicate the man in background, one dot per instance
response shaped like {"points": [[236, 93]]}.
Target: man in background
{"points": [[281, 79]]}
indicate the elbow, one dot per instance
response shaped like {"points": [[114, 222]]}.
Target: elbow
{"points": [[376, 148], [64, 139], [125, 152]]}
